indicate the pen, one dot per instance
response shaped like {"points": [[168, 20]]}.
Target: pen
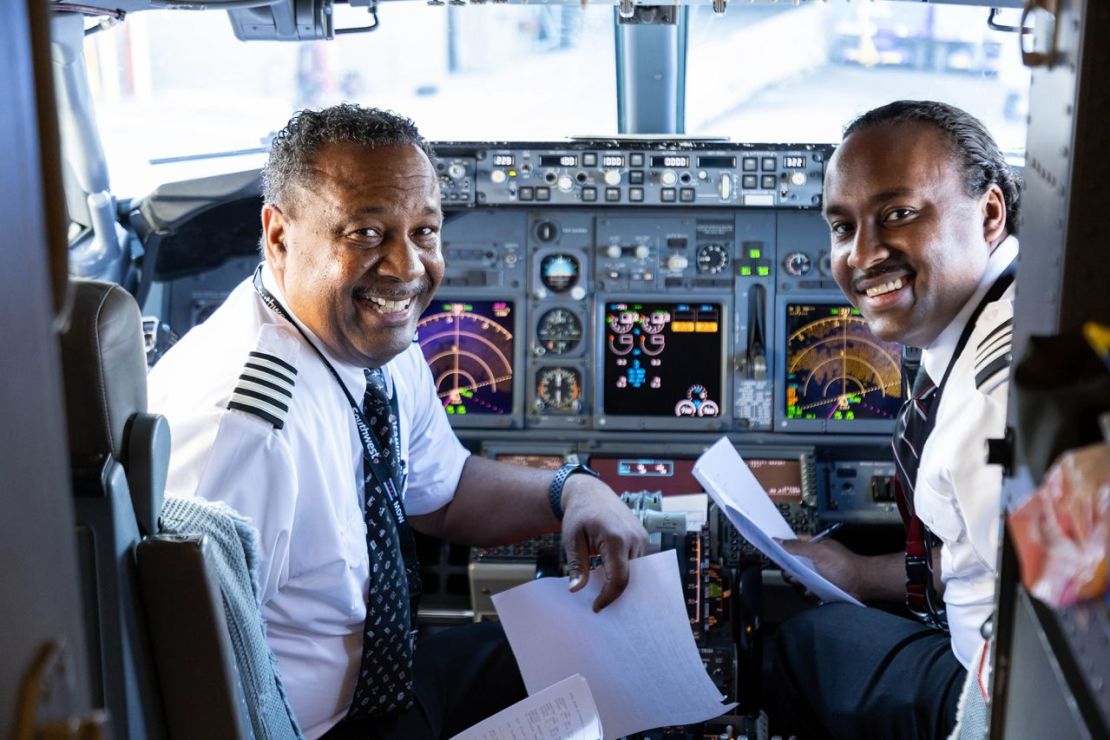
{"points": [[826, 532]]}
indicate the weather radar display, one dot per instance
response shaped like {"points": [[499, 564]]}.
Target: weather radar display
{"points": [[469, 347], [663, 359], [836, 369]]}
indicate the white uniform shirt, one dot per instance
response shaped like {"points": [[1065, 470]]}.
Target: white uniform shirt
{"points": [[300, 485], [957, 495]]}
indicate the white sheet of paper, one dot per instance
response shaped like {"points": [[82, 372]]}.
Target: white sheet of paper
{"points": [[730, 483], [638, 654], [564, 711], [694, 505]]}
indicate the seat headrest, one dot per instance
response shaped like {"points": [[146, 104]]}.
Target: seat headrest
{"points": [[104, 366]]}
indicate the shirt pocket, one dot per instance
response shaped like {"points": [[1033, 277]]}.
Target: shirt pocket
{"points": [[939, 511]]}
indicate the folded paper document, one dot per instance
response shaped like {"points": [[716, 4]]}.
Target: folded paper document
{"points": [[739, 495], [564, 711]]}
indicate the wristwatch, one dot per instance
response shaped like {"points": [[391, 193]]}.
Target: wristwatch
{"points": [[555, 493]]}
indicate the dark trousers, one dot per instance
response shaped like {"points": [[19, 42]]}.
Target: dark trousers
{"points": [[842, 671], [461, 676]]}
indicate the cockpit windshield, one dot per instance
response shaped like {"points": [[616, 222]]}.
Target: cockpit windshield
{"points": [[170, 107]]}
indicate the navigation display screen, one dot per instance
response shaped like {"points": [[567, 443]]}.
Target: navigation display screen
{"points": [[663, 359], [835, 367], [469, 346]]}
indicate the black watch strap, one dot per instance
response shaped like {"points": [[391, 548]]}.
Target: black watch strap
{"points": [[555, 493]]}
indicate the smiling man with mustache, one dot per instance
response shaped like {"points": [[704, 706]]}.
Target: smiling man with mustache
{"points": [[304, 404], [922, 212]]}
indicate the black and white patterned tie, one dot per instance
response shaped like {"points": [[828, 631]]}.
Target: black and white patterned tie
{"points": [[385, 676], [912, 429]]}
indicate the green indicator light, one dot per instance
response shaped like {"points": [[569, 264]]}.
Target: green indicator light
{"points": [[462, 409], [450, 410], [850, 415], [764, 271], [755, 253], [746, 271], [838, 415]]}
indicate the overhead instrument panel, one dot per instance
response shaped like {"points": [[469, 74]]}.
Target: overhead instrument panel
{"points": [[664, 361], [469, 345], [838, 375]]}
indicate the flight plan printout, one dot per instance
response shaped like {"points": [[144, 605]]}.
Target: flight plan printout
{"points": [[563, 711]]}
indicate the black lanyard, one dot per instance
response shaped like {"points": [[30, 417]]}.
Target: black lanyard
{"points": [[370, 450]]}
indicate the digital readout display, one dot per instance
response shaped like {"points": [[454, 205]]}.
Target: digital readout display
{"points": [[663, 359], [503, 160], [794, 162], [670, 160], [559, 160], [612, 160], [781, 479], [720, 162], [543, 462]]}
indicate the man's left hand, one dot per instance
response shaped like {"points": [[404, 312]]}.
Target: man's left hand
{"points": [[595, 520]]}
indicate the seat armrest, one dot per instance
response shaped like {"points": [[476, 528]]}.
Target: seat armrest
{"points": [[195, 661]]}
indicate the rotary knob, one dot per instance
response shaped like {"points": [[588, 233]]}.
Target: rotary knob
{"points": [[613, 252], [677, 262], [668, 178], [612, 177], [643, 252]]}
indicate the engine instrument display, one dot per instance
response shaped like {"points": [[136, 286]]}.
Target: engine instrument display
{"points": [[663, 359], [469, 347], [836, 369]]}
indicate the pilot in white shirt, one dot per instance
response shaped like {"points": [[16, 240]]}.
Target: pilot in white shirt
{"points": [[958, 497], [351, 238], [923, 212], [299, 485]]}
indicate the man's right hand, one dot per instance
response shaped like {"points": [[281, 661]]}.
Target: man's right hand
{"points": [[879, 578], [832, 560]]}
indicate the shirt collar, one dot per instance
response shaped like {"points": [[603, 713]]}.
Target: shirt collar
{"points": [[938, 355], [353, 376]]}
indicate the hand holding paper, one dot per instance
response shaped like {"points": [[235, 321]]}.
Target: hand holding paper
{"points": [[739, 495]]}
